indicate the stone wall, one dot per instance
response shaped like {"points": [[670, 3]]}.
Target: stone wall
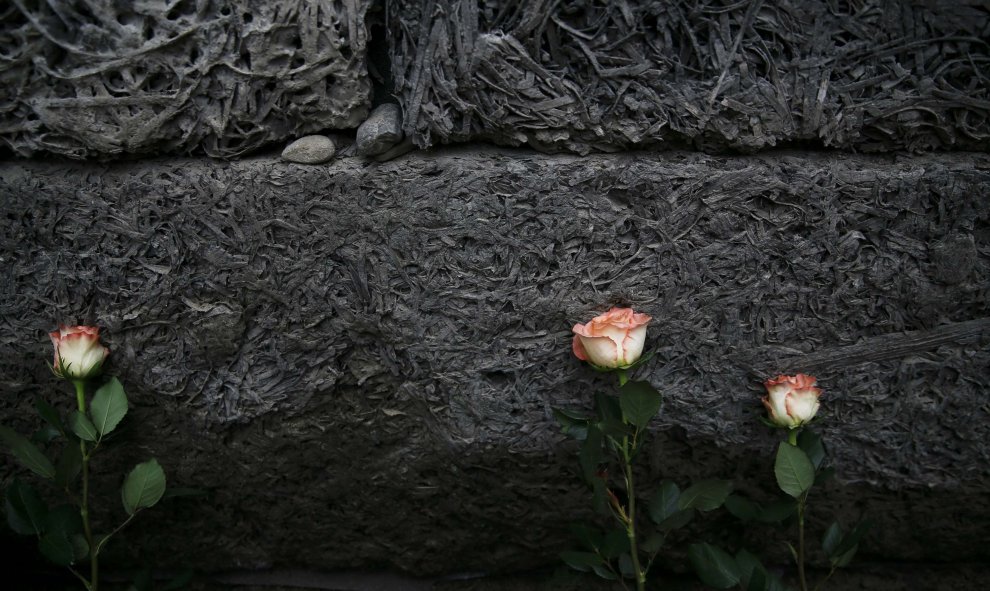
{"points": [[358, 360], [86, 78], [105, 80]]}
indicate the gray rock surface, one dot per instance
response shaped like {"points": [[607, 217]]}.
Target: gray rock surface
{"points": [[89, 79], [380, 131], [82, 78], [358, 360], [312, 149], [581, 76]]}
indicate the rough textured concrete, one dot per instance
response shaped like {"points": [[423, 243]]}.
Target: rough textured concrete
{"points": [[90, 78], [583, 75], [358, 360]]}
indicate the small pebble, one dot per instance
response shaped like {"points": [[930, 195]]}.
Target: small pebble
{"points": [[311, 149]]}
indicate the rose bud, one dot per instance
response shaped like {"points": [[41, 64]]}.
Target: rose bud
{"points": [[78, 352], [792, 401], [613, 340]]}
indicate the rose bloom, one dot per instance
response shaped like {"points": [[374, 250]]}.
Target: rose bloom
{"points": [[613, 340], [78, 352], [791, 400]]}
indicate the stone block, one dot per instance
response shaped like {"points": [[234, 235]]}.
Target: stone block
{"points": [[109, 80], [358, 361], [580, 76]]}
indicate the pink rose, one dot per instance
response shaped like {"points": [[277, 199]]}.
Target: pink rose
{"points": [[78, 352], [792, 400], [613, 340]]}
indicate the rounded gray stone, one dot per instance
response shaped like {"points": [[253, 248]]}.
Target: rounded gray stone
{"points": [[380, 131], [311, 149]]}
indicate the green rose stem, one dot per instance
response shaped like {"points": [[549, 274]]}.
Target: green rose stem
{"points": [[792, 438], [84, 504], [630, 520], [631, 523]]}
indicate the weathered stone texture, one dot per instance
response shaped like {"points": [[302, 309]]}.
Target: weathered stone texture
{"points": [[88, 78], [582, 76], [310, 149], [381, 131], [358, 360]]}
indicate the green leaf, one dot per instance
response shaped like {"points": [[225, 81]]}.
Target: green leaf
{"points": [[65, 519], [80, 548], [677, 520], [599, 502], [811, 444], [713, 566], [571, 423], [582, 561], [706, 495], [832, 539], [143, 487], [615, 429], [26, 511], [758, 581], [639, 402], [851, 540], [45, 434], [82, 426], [742, 508], [845, 558], [590, 456], [752, 575], [602, 571], [653, 543], [776, 511], [793, 552], [795, 472], [49, 414], [664, 502], [29, 455], [69, 465], [626, 567], [616, 542], [108, 407], [57, 548], [590, 538], [775, 584], [607, 407]]}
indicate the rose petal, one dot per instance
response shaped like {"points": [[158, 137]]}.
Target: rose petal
{"points": [[578, 349], [632, 345], [802, 405], [78, 352], [791, 400], [601, 351]]}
